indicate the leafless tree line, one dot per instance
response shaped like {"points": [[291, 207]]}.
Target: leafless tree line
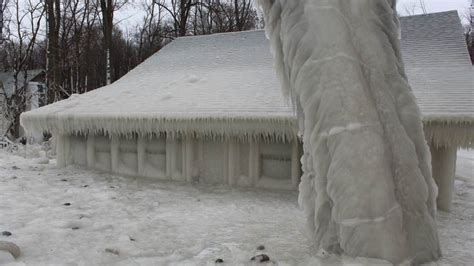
{"points": [[165, 20]]}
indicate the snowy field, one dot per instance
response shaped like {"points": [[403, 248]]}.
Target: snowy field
{"points": [[112, 220]]}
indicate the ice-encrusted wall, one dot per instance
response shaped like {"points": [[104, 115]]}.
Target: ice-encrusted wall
{"points": [[245, 164]]}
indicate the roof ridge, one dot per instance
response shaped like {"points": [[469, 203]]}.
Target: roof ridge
{"points": [[220, 33], [432, 14]]}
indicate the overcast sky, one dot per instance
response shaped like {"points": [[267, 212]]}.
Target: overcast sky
{"points": [[435, 5], [129, 17]]}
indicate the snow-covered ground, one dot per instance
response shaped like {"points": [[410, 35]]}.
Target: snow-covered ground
{"points": [[114, 220]]}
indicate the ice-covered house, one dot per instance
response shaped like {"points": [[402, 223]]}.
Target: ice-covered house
{"points": [[34, 83], [209, 108]]}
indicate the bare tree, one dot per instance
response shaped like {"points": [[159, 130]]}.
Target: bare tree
{"points": [[179, 10], [211, 16], [1, 21], [470, 30], [152, 33], [108, 7], [53, 73], [21, 45], [92, 15], [415, 8], [242, 13], [423, 6]]}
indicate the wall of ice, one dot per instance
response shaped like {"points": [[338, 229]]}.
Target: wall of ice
{"points": [[263, 164]]}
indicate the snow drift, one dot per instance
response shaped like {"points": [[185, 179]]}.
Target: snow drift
{"points": [[367, 188]]}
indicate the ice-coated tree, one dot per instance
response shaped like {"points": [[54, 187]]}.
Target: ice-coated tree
{"points": [[367, 188], [24, 27]]}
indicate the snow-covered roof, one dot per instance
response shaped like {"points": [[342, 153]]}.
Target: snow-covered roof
{"points": [[440, 72], [434, 40], [8, 81], [224, 85], [221, 84]]}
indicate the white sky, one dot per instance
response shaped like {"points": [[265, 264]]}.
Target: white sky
{"points": [[129, 17], [433, 6]]}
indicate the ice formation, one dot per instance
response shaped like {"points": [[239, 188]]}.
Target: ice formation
{"points": [[222, 86], [367, 188]]}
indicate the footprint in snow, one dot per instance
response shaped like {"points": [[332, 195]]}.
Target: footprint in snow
{"points": [[80, 223], [113, 251], [41, 161]]}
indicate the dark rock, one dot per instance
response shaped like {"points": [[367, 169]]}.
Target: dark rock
{"points": [[219, 261], [75, 228], [132, 239], [64, 180], [261, 247], [85, 186], [6, 233], [260, 258], [113, 251], [15, 167], [67, 204]]}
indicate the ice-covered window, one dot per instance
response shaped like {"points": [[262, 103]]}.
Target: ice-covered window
{"points": [[155, 158], [78, 150], [102, 153], [211, 160], [127, 156], [275, 161]]}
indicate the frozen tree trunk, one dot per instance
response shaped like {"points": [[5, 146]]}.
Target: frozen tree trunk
{"points": [[367, 188], [1, 21]]}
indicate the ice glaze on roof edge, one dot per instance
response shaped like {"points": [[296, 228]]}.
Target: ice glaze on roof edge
{"points": [[440, 132]]}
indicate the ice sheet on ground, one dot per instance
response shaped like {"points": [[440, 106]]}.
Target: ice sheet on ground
{"points": [[152, 223]]}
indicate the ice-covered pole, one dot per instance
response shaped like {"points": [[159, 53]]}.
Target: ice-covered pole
{"points": [[367, 188]]}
